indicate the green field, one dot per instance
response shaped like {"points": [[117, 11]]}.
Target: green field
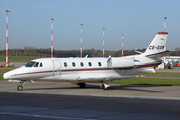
{"points": [[161, 74], [18, 58], [5, 69], [148, 81]]}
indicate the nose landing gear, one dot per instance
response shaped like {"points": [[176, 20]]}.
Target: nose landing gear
{"points": [[20, 87]]}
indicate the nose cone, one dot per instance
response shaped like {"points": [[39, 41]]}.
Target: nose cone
{"points": [[6, 75]]}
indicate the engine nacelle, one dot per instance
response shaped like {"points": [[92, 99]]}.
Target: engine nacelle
{"points": [[122, 63]]}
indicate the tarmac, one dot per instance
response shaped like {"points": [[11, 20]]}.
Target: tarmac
{"points": [[126, 91], [51, 100], [176, 70]]}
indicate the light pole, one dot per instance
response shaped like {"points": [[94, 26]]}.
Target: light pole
{"points": [[122, 45], [7, 36], [52, 37], [165, 23], [103, 41], [81, 42]]}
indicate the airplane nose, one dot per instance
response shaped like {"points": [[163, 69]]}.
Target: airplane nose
{"points": [[6, 76]]}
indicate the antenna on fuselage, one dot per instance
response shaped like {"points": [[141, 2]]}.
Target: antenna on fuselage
{"points": [[86, 56]]}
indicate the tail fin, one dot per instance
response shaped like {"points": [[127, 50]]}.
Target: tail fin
{"points": [[158, 45]]}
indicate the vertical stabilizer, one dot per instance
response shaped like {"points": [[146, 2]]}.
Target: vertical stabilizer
{"points": [[158, 44]]}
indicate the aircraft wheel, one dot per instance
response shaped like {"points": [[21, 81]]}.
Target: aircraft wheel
{"points": [[105, 87], [82, 85], [20, 88]]}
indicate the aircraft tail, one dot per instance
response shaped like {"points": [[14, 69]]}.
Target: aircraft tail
{"points": [[158, 46]]}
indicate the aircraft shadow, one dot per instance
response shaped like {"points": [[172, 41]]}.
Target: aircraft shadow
{"points": [[97, 87]]}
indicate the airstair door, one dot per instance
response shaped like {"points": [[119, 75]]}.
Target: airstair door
{"points": [[57, 68]]}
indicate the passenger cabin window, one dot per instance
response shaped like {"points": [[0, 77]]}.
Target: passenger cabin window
{"points": [[30, 64], [65, 64], [41, 65], [99, 63], [73, 64], [36, 64], [82, 64], [90, 64]]}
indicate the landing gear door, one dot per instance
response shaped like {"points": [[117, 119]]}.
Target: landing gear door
{"points": [[57, 68]]}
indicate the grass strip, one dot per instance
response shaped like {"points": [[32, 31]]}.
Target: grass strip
{"points": [[6, 69], [148, 81], [18, 58], [161, 74], [1, 77]]}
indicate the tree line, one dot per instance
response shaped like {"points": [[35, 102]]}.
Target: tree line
{"points": [[46, 52]]}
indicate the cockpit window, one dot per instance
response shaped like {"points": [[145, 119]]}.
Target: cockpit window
{"points": [[36, 64], [41, 65], [29, 64]]}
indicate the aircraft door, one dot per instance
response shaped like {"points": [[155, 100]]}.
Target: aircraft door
{"points": [[57, 68]]}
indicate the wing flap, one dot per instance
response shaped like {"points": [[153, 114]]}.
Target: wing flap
{"points": [[147, 70]]}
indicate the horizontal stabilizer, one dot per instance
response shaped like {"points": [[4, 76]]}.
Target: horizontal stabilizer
{"points": [[138, 52], [160, 54]]}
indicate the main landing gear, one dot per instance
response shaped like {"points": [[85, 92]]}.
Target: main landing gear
{"points": [[82, 85], [20, 87], [105, 85]]}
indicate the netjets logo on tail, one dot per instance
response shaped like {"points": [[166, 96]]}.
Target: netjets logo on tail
{"points": [[157, 48]]}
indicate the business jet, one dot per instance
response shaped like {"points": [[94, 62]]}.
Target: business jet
{"points": [[88, 70]]}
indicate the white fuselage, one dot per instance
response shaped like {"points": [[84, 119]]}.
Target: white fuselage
{"points": [[72, 69]]}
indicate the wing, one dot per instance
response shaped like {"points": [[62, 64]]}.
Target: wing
{"points": [[100, 79]]}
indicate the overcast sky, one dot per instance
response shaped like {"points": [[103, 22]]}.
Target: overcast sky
{"points": [[138, 20]]}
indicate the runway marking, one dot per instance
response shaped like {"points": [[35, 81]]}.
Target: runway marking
{"points": [[43, 116]]}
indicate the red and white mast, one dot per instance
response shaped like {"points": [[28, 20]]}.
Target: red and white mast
{"points": [[122, 45], [7, 35], [52, 37], [103, 41], [165, 23], [81, 42]]}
